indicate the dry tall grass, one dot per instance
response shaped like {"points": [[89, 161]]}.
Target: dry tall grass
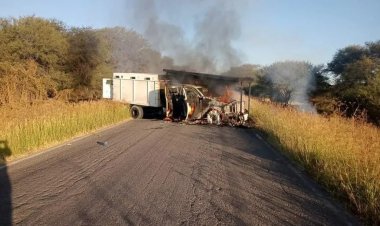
{"points": [[26, 129], [21, 83], [342, 154]]}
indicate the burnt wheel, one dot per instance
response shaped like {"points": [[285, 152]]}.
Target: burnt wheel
{"points": [[137, 112]]}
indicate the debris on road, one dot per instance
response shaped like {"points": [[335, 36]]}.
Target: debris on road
{"points": [[103, 143]]}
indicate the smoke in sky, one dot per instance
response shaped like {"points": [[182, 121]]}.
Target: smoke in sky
{"points": [[293, 77], [210, 50]]}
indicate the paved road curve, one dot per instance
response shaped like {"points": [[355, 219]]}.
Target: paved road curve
{"points": [[156, 173]]}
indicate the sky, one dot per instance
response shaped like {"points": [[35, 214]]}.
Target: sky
{"points": [[270, 30]]}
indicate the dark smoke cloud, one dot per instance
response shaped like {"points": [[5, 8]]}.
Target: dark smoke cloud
{"points": [[210, 50]]}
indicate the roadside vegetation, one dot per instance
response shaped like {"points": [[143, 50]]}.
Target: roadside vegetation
{"points": [[51, 75], [27, 129], [44, 59], [342, 154], [348, 85]]}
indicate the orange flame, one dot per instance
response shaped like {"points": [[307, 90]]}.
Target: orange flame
{"points": [[192, 109], [227, 95]]}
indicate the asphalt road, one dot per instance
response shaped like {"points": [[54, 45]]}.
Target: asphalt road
{"points": [[148, 172]]}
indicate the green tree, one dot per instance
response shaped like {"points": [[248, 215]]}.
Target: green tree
{"points": [[359, 89], [373, 97], [322, 95], [374, 49], [130, 52], [262, 86], [358, 73], [33, 38], [346, 56], [84, 56], [322, 80], [356, 69], [37, 40]]}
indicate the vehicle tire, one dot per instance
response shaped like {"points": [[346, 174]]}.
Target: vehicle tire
{"points": [[137, 112]]}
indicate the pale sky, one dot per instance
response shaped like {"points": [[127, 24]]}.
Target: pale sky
{"points": [[271, 30]]}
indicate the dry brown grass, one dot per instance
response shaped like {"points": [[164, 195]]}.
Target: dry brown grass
{"points": [[26, 128], [21, 83], [342, 154]]}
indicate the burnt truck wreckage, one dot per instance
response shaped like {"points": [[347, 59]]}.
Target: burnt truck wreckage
{"points": [[195, 98]]}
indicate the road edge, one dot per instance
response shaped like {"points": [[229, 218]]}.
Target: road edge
{"points": [[324, 195], [51, 148]]}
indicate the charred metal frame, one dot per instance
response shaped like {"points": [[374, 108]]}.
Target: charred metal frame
{"points": [[204, 79]]}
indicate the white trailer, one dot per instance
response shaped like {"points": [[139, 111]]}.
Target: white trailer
{"points": [[141, 91]]}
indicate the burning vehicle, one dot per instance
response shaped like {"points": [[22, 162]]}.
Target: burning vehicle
{"points": [[194, 98]]}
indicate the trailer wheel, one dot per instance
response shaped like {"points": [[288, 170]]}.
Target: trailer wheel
{"points": [[137, 112]]}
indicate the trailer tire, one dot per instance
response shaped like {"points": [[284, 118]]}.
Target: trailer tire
{"points": [[137, 112]]}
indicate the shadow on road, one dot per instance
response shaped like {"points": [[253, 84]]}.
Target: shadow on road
{"points": [[5, 186]]}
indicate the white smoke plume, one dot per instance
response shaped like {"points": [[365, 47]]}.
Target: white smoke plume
{"points": [[294, 77]]}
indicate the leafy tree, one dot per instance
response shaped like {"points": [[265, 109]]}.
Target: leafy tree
{"points": [[374, 49], [262, 87], [73, 60], [322, 95], [360, 88], [322, 80], [94, 54], [358, 73], [357, 85], [373, 97], [33, 38], [37, 40], [84, 55], [130, 52], [346, 56]]}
